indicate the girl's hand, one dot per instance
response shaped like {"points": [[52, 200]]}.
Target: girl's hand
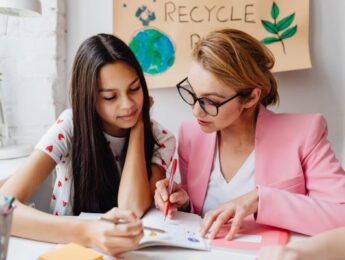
{"points": [[179, 198], [115, 238], [236, 209], [138, 128]]}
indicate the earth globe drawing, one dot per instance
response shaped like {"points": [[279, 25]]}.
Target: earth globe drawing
{"points": [[153, 49]]}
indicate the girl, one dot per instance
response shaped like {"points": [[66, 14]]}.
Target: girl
{"points": [[106, 152], [239, 158]]}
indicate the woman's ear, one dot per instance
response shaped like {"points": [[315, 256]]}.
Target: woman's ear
{"points": [[253, 99]]}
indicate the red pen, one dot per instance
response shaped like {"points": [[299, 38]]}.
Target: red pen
{"points": [[170, 187]]}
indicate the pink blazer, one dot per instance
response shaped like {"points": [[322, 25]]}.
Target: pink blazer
{"points": [[301, 184]]}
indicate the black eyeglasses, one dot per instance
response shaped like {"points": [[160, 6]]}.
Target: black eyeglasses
{"points": [[208, 106]]}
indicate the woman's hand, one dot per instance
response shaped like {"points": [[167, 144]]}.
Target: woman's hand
{"points": [[236, 209], [179, 198], [115, 238]]}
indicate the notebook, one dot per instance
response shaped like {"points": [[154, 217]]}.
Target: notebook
{"points": [[251, 236], [181, 231]]}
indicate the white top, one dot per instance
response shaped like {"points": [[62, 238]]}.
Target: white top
{"points": [[220, 191], [57, 143]]}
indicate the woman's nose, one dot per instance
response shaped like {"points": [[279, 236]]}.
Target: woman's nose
{"points": [[198, 111]]}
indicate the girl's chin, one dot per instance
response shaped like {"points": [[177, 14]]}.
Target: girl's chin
{"points": [[127, 122], [127, 125]]}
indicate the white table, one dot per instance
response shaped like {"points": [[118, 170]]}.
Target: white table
{"points": [[20, 248]]}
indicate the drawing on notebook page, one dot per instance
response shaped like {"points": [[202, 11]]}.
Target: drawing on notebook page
{"points": [[181, 231]]}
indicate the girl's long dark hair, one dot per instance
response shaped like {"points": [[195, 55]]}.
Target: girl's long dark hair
{"points": [[96, 178]]}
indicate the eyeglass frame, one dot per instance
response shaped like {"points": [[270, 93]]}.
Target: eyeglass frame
{"points": [[196, 99]]}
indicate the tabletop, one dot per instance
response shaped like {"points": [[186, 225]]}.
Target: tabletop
{"points": [[20, 248]]}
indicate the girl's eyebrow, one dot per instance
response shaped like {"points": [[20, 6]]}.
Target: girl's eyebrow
{"points": [[114, 89]]}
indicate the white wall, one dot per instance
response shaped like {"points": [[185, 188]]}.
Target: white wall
{"points": [[33, 63], [320, 89]]}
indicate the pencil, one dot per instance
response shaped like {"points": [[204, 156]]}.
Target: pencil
{"points": [[116, 222]]}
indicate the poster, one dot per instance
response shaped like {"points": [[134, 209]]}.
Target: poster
{"points": [[162, 33]]}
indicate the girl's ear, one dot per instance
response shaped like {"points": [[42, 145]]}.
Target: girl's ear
{"points": [[253, 99]]}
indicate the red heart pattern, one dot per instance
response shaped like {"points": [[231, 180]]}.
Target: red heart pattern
{"points": [[49, 148], [163, 163], [61, 136]]}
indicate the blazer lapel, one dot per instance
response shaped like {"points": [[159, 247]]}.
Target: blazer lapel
{"points": [[202, 157]]}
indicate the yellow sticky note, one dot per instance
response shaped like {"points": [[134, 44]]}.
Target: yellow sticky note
{"points": [[72, 251]]}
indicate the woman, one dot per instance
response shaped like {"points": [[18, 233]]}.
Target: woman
{"points": [[106, 151], [240, 159]]}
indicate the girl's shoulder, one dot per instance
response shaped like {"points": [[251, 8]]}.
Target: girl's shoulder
{"points": [[65, 117], [56, 142], [160, 131], [64, 122], [165, 147]]}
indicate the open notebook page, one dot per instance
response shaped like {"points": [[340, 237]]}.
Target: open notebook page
{"points": [[181, 231]]}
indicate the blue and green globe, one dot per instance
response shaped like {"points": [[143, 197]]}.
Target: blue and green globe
{"points": [[154, 50]]}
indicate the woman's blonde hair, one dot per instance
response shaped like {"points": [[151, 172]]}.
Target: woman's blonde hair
{"points": [[239, 60]]}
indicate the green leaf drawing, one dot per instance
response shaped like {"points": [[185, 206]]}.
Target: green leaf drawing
{"points": [[269, 40], [270, 27], [276, 27], [289, 32], [286, 22], [274, 11]]}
